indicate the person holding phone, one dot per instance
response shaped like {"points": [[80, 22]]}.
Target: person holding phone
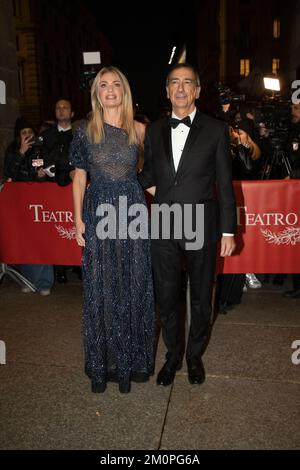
{"points": [[22, 160], [23, 163]]}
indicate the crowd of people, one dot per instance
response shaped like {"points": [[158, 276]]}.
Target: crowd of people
{"points": [[186, 155], [42, 156], [255, 156]]}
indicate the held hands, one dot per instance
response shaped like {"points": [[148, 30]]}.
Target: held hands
{"points": [[80, 230], [227, 245]]}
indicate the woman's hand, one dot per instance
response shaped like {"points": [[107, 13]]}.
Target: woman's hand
{"points": [[26, 143], [244, 138], [234, 135], [80, 230]]}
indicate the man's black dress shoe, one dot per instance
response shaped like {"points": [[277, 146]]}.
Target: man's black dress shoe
{"points": [[196, 374], [167, 374]]}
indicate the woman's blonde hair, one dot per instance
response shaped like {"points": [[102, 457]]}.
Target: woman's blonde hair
{"points": [[95, 129]]}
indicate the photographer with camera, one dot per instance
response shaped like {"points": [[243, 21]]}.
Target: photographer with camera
{"points": [[272, 120], [244, 153]]}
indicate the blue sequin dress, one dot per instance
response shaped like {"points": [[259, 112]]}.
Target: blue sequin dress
{"points": [[118, 310]]}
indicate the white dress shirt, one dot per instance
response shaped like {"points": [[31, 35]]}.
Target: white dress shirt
{"points": [[179, 136], [63, 129]]}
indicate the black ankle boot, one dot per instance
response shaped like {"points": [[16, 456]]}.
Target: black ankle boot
{"points": [[124, 386], [98, 387]]}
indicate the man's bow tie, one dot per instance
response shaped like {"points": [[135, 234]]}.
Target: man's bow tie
{"points": [[174, 122]]}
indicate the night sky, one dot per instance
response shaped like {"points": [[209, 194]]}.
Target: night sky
{"points": [[142, 44]]}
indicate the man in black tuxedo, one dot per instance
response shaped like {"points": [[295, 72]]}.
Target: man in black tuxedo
{"points": [[187, 162], [56, 143]]}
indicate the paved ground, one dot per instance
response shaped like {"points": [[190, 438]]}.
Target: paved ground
{"points": [[250, 400]]}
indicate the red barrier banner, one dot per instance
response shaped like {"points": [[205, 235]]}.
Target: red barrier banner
{"points": [[37, 226], [268, 228]]}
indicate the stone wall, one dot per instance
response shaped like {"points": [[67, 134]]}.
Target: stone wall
{"points": [[9, 74]]}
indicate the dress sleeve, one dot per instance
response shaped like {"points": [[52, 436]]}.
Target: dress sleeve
{"points": [[79, 154]]}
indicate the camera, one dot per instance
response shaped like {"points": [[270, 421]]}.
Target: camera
{"points": [[226, 96], [276, 117]]}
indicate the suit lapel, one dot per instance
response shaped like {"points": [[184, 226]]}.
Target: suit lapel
{"points": [[191, 138], [167, 140]]}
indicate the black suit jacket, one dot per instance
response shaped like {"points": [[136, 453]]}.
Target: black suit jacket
{"points": [[56, 152], [203, 174]]}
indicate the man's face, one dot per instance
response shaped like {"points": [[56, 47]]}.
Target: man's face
{"points": [[183, 90], [295, 113], [63, 112]]}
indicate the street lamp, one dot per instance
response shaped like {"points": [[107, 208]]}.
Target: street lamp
{"points": [[90, 60], [272, 84]]}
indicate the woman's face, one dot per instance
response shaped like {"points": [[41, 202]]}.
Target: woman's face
{"points": [[26, 132], [110, 90]]}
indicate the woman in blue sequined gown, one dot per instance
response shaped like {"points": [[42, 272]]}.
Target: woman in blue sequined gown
{"points": [[118, 310]]}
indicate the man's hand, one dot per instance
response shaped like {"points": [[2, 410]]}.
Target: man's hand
{"points": [[40, 173], [227, 245]]}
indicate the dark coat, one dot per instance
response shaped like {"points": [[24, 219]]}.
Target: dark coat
{"points": [[56, 152], [19, 167]]}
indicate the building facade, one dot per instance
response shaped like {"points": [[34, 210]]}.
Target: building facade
{"points": [[9, 108], [230, 39], [51, 38]]}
